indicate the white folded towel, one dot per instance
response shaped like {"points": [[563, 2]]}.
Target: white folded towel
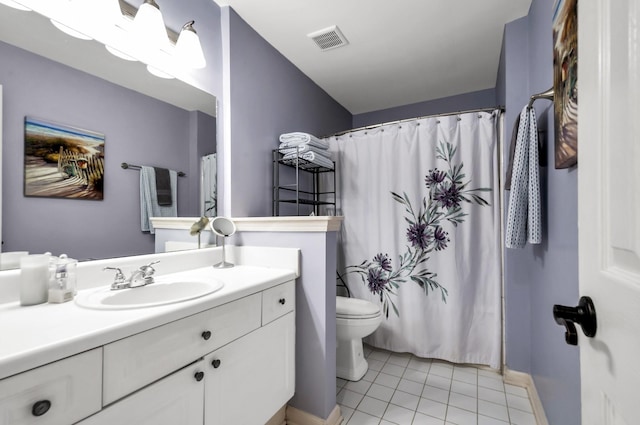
{"points": [[291, 140], [306, 148], [319, 160]]}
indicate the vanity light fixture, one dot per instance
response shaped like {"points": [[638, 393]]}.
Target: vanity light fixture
{"points": [[15, 5], [126, 32], [188, 47]]}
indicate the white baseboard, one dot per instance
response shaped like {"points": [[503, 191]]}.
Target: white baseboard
{"points": [[299, 417], [521, 379]]}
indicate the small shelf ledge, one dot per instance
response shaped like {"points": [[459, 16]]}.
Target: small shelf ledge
{"points": [[261, 224]]}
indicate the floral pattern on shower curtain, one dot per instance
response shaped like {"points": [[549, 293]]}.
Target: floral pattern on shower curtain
{"points": [[420, 235]]}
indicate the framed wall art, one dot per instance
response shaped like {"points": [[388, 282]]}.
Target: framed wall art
{"points": [[565, 82], [62, 161]]}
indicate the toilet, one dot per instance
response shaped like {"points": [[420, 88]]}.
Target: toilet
{"points": [[355, 319]]}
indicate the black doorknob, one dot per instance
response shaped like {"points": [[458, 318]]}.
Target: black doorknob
{"points": [[282, 301], [584, 315], [199, 376], [206, 335], [40, 407], [215, 363]]}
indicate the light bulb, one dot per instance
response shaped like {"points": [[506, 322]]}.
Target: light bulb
{"points": [[158, 73], [188, 47], [148, 26], [15, 5]]}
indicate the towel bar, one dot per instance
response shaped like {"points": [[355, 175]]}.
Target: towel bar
{"points": [[137, 167]]}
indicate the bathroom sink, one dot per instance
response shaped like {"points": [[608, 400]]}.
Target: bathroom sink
{"points": [[155, 294]]}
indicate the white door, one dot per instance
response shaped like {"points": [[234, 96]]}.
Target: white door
{"points": [[609, 207]]}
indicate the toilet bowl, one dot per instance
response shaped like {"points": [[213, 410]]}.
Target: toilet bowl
{"points": [[355, 319]]}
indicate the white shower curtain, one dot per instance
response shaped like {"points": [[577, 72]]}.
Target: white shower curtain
{"points": [[420, 235], [208, 185]]}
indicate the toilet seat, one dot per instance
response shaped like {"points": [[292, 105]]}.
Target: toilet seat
{"points": [[353, 308]]}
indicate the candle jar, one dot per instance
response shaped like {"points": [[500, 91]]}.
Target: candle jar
{"points": [[34, 279]]}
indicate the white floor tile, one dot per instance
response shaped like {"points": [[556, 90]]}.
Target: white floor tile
{"points": [[401, 389], [415, 375], [398, 415], [379, 355], [461, 417], [360, 418], [416, 363], [374, 364], [348, 398], [484, 420], [463, 402], [464, 376], [464, 388], [494, 384], [520, 403], [436, 394], [392, 369], [380, 392], [360, 387], [401, 359], [410, 387], [438, 381], [421, 419], [493, 396], [512, 389], [370, 376], [387, 380], [406, 400], [496, 411], [441, 370], [372, 406], [432, 408], [518, 417], [346, 413]]}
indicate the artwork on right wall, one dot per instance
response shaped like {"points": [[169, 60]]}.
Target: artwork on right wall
{"points": [[565, 82]]}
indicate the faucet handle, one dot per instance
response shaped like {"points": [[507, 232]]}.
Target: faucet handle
{"points": [[148, 269], [118, 280]]}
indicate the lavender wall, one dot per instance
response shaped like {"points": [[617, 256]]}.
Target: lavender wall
{"points": [[138, 129], [537, 277], [461, 102], [268, 96]]}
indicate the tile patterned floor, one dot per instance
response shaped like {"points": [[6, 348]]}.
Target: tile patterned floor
{"points": [[402, 389]]}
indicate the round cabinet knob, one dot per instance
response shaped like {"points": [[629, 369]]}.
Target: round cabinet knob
{"points": [[282, 301], [215, 363], [199, 376], [206, 335], [40, 407]]}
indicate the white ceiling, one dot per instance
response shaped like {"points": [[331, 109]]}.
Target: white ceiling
{"points": [[399, 52]]}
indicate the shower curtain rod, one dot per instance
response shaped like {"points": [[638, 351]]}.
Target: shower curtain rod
{"points": [[446, 114]]}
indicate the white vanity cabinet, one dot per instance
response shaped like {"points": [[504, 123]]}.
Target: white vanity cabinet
{"points": [[231, 365]]}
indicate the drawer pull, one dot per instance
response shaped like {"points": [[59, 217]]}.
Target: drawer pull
{"points": [[282, 301], [40, 407], [215, 363], [206, 335], [199, 376]]}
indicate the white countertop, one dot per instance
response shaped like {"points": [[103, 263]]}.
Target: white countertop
{"points": [[36, 335]]}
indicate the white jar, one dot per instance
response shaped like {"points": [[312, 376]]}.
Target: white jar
{"points": [[34, 279]]}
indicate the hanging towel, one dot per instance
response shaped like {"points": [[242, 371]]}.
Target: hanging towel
{"points": [[149, 206], [163, 186], [523, 218]]}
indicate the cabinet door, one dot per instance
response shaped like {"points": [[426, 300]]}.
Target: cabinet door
{"points": [[176, 399], [249, 379]]}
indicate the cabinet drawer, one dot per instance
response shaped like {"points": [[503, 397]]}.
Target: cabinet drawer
{"points": [[176, 399], [70, 388], [278, 301], [141, 359]]}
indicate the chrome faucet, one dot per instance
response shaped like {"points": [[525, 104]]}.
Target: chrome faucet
{"points": [[141, 277]]}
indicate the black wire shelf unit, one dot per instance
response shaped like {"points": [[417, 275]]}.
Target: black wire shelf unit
{"points": [[306, 184]]}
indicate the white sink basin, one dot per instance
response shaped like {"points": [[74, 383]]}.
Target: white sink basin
{"points": [[155, 294]]}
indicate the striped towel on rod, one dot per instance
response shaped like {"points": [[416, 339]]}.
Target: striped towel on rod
{"points": [[523, 218]]}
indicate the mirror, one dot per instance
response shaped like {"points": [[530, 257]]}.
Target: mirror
{"points": [[145, 120], [223, 227]]}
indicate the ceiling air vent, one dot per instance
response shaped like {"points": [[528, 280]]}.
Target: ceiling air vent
{"points": [[328, 38]]}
